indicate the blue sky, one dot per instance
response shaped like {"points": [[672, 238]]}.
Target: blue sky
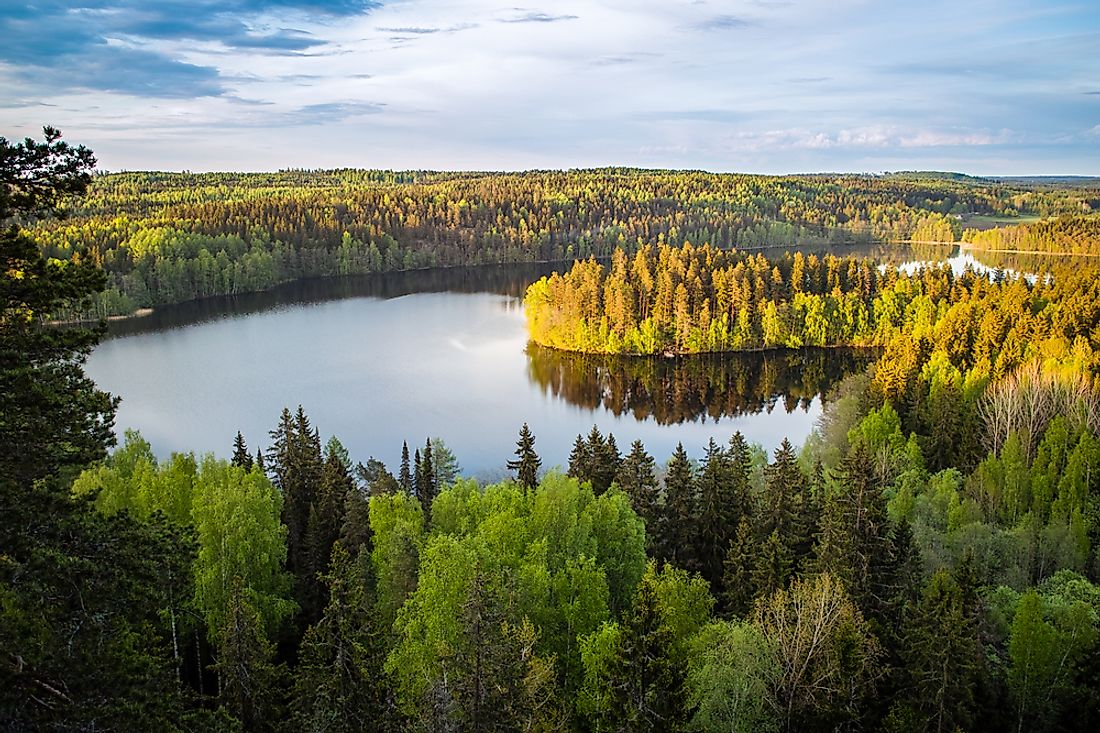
{"points": [[979, 86]]}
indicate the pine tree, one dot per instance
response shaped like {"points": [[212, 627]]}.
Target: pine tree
{"points": [[241, 456], [527, 463]]}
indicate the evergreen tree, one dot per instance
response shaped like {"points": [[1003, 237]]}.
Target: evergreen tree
{"points": [[783, 505], [377, 480], [247, 675], [424, 478], [486, 667], [606, 461], [740, 570], [773, 567], [527, 463], [637, 477], [580, 460], [241, 456], [339, 684], [326, 522], [718, 513], [404, 477], [941, 654], [679, 528], [52, 418], [647, 682]]}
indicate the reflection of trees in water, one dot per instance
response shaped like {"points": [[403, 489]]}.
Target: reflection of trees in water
{"points": [[1031, 262], [501, 279], [689, 388]]}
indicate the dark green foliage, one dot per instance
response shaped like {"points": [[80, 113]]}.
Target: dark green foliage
{"points": [[637, 477], [647, 682], [424, 480], [376, 478], [739, 570], [679, 525], [405, 478], [86, 603], [595, 459], [248, 679], [722, 494], [942, 655], [52, 418], [296, 466], [853, 542], [241, 456], [339, 684], [527, 462]]}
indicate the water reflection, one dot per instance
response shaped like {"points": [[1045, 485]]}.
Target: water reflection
{"points": [[509, 280], [692, 388]]}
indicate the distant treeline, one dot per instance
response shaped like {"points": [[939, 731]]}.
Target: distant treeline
{"points": [[164, 237]]}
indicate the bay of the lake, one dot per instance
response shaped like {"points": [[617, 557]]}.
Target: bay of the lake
{"points": [[379, 360]]}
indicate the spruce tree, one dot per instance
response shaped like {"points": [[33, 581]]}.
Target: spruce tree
{"points": [[424, 478], [718, 513], [339, 682], [241, 456], [404, 476], [647, 683], [247, 676], [527, 463], [942, 655], [739, 570], [637, 477], [680, 525], [773, 567], [580, 460], [606, 461]]}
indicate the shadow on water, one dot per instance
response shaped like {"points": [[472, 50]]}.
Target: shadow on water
{"points": [[509, 280], [691, 388]]}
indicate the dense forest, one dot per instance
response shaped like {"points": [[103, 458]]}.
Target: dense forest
{"points": [[166, 237], [926, 562], [701, 299], [1078, 235]]}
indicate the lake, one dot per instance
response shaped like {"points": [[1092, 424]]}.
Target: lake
{"points": [[376, 360], [379, 359]]}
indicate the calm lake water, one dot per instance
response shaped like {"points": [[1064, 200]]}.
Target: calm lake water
{"points": [[379, 359]]}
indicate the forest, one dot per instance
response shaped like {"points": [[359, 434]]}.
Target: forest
{"points": [[927, 561], [170, 237]]}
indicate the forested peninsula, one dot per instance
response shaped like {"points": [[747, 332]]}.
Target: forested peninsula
{"points": [[927, 561]]}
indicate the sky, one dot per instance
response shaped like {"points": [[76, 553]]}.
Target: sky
{"points": [[987, 87]]}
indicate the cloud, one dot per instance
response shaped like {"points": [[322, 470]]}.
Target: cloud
{"points": [[410, 30], [536, 17], [723, 23], [119, 45]]}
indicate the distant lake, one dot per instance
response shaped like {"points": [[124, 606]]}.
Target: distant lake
{"points": [[379, 359]]}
